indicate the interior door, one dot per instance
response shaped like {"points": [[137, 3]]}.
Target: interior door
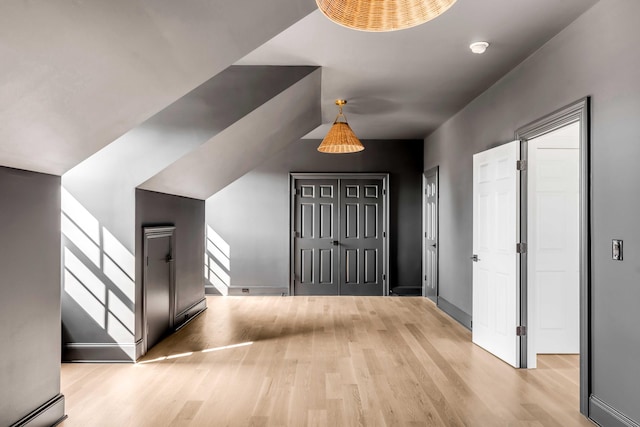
{"points": [[362, 237], [553, 236], [430, 261], [158, 284], [339, 236], [495, 267], [316, 257]]}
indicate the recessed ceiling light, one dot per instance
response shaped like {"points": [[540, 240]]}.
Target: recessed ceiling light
{"points": [[478, 47]]}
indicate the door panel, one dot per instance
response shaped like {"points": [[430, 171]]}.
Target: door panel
{"points": [[495, 234], [316, 230], [326, 266], [431, 235], [351, 262], [370, 221], [370, 265], [351, 220], [326, 220], [361, 240], [306, 220], [306, 266]]}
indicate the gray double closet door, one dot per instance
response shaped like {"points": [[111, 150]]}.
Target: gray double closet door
{"points": [[339, 236]]}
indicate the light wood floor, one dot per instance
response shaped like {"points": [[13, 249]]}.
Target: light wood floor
{"points": [[336, 361]]}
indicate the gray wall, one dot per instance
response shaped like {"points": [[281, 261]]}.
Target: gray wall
{"points": [[105, 182], [100, 313], [597, 55], [29, 292], [252, 213], [187, 215]]}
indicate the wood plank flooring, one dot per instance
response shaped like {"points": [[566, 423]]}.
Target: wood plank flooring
{"points": [[322, 361]]}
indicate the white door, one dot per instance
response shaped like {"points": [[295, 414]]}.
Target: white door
{"points": [[430, 262], [553, 236], [495, 234]]}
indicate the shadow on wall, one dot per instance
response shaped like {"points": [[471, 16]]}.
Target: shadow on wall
{"points": [[99, 276], [217, 262]]}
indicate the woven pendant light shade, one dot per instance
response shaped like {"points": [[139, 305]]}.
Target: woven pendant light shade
{"points": [[340, 138], [382, 15]]}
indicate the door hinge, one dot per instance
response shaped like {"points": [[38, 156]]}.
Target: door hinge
{"points": [[384, 234], [521, 165], [425, 277], [384, 277], [521, 248], [521, 331], [425, 234], [384, 192], [147, 260]]}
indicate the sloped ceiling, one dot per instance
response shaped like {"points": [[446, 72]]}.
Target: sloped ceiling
{"points": [[404, 84], [180, 128], [242, 146], [76, 75]]}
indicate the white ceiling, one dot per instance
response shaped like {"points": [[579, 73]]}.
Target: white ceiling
{"points": [[404, 84]]}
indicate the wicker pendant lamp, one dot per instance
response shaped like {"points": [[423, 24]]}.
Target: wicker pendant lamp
{"points": [[382, 15], [340, 138]]}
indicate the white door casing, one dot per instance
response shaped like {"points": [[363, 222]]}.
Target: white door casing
{"points": [[496, 192], [553, 236]]}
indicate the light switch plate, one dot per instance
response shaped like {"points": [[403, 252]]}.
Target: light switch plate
{"points": [[616, 250]]}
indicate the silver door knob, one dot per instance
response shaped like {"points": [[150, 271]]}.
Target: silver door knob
{"points": [[475, 258]]}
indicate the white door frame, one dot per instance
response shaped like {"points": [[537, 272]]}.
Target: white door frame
{"points": [[578, 111]]}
